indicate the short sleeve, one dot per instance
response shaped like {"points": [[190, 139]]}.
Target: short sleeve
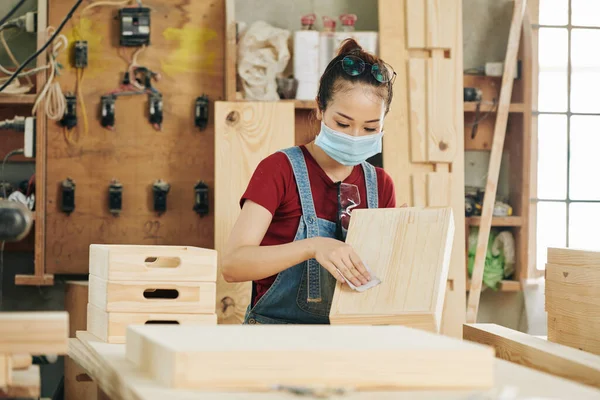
{"points": [[387, 192], [267, 187]]}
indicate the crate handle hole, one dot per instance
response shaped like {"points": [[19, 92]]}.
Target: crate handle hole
{"points": [[162, 262], [161, 294], [155, 322]]}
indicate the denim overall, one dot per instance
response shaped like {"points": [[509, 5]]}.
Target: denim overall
{"points": [[303, 293]]}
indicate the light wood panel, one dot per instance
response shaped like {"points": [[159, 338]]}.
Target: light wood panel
{"points": [[78, 385], [418, 78], [540, 354], [394, 16], [188, 50], [441, 109], [153, 263], [563, 256], [415, 24], [25, 384], [255, 358], [21, 361], [440, 28], [153, 297], [439, 186], [245, 133], [409, 250], [111, 326], [76, 297], [5, 370], [34, 332]]}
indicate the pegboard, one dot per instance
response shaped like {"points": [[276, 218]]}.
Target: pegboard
{"points": [[187, 49]]}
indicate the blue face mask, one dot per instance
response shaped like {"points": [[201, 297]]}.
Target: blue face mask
{"points": [[348, 150]]}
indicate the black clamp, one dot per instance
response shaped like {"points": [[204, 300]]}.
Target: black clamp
{"points": [[80, 54], [108, 111], [68, 196], [160, 189], [201, 198], [69, 119], [115, 197], [201, 112], [155, 110]]}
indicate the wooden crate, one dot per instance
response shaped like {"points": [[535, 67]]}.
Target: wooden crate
{"points": [[573, 298], [409, 250], [110, 327], [153, 263], [257, 357], [153, 297]]}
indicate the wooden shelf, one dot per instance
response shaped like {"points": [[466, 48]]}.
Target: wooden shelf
{"points": [[18, 99], [496, 221], [470, 106], [505, 286], [306, 104]]}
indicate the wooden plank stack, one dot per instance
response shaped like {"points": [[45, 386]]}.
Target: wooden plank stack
{"points": [[261, 357], [149, 285], [573, 298], [409, 250]]}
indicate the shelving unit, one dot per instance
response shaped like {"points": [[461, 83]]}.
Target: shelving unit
{"points": [[517, 147]]}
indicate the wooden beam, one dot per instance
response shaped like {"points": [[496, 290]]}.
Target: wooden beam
{"points": [[34, 332], [530, 351], [230, 51], [495, 159]]}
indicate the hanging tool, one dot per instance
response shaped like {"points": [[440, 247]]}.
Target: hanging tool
{"points": [[201, 112], [201, 198], [115, 197], [160, 189], [489, 199], [68, 196]]}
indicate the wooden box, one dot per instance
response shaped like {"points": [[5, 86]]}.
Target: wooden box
{"points": [[573, 298], [111, 326], [153, 263], [153, 297], [409, 250], [256, 357]]}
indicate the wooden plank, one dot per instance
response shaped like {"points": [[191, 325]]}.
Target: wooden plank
{"points": [[5, 370], [497, 221], [188, 51], [76, 297], [111, 326], [153, 263], [562, 256], [401, 358], [439, 186], [121, 380], [532, 352], [440, 28], [417, 75], [153, 297], [25, 384], [419, 190], [245, 133], [495, 159], [21, 361], [409, 250], [441, 107], [34, 332], [574, 332], [416, 24]]}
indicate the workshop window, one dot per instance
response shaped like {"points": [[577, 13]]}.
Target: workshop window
{"points": [[568, 192]]}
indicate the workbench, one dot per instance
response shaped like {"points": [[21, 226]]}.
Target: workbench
{"points": [[119, 379]]}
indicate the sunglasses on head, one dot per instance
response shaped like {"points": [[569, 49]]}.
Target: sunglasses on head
{"points": [[354, 66]]}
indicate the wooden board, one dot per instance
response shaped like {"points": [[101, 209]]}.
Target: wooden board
{"points": [[76, 298], [574, 332], [153, 297], [409, 250], [439, 186], [25, 384], [442, 134], [5, 370], [111, 326], [536, 353], [418, 78], [258, 357], [187, 49], [78, 384], [34, 332], [153, 263], [21, 361], [416, 24], [562, 256], [393, 20], [440, 28], [245, 133]]}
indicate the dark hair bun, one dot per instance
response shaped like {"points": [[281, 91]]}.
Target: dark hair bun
{"points": [[349, 46]]}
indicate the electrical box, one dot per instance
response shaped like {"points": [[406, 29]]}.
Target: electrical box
{"points": [[135, 26], [80, 54]]}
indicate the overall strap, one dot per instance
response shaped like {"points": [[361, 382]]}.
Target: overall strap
{"points": [[309, 215], [371, 183]]}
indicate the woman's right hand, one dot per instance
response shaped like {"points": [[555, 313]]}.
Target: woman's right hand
{"points": [[340, 260]]}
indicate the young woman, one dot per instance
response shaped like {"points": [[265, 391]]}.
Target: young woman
{"points": [[289, 237]]}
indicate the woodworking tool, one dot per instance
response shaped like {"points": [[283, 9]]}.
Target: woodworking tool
{"points": [[201, 112], [68, 196], [69, 119], [80, 54], [201, 198], [115, 197], [160, 189], [371, 284]]}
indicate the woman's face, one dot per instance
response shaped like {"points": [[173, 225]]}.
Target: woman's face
{"points": [[358, 111]]}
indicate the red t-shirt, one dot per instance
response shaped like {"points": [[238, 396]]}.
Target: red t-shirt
{"points": [[273, 186]]}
